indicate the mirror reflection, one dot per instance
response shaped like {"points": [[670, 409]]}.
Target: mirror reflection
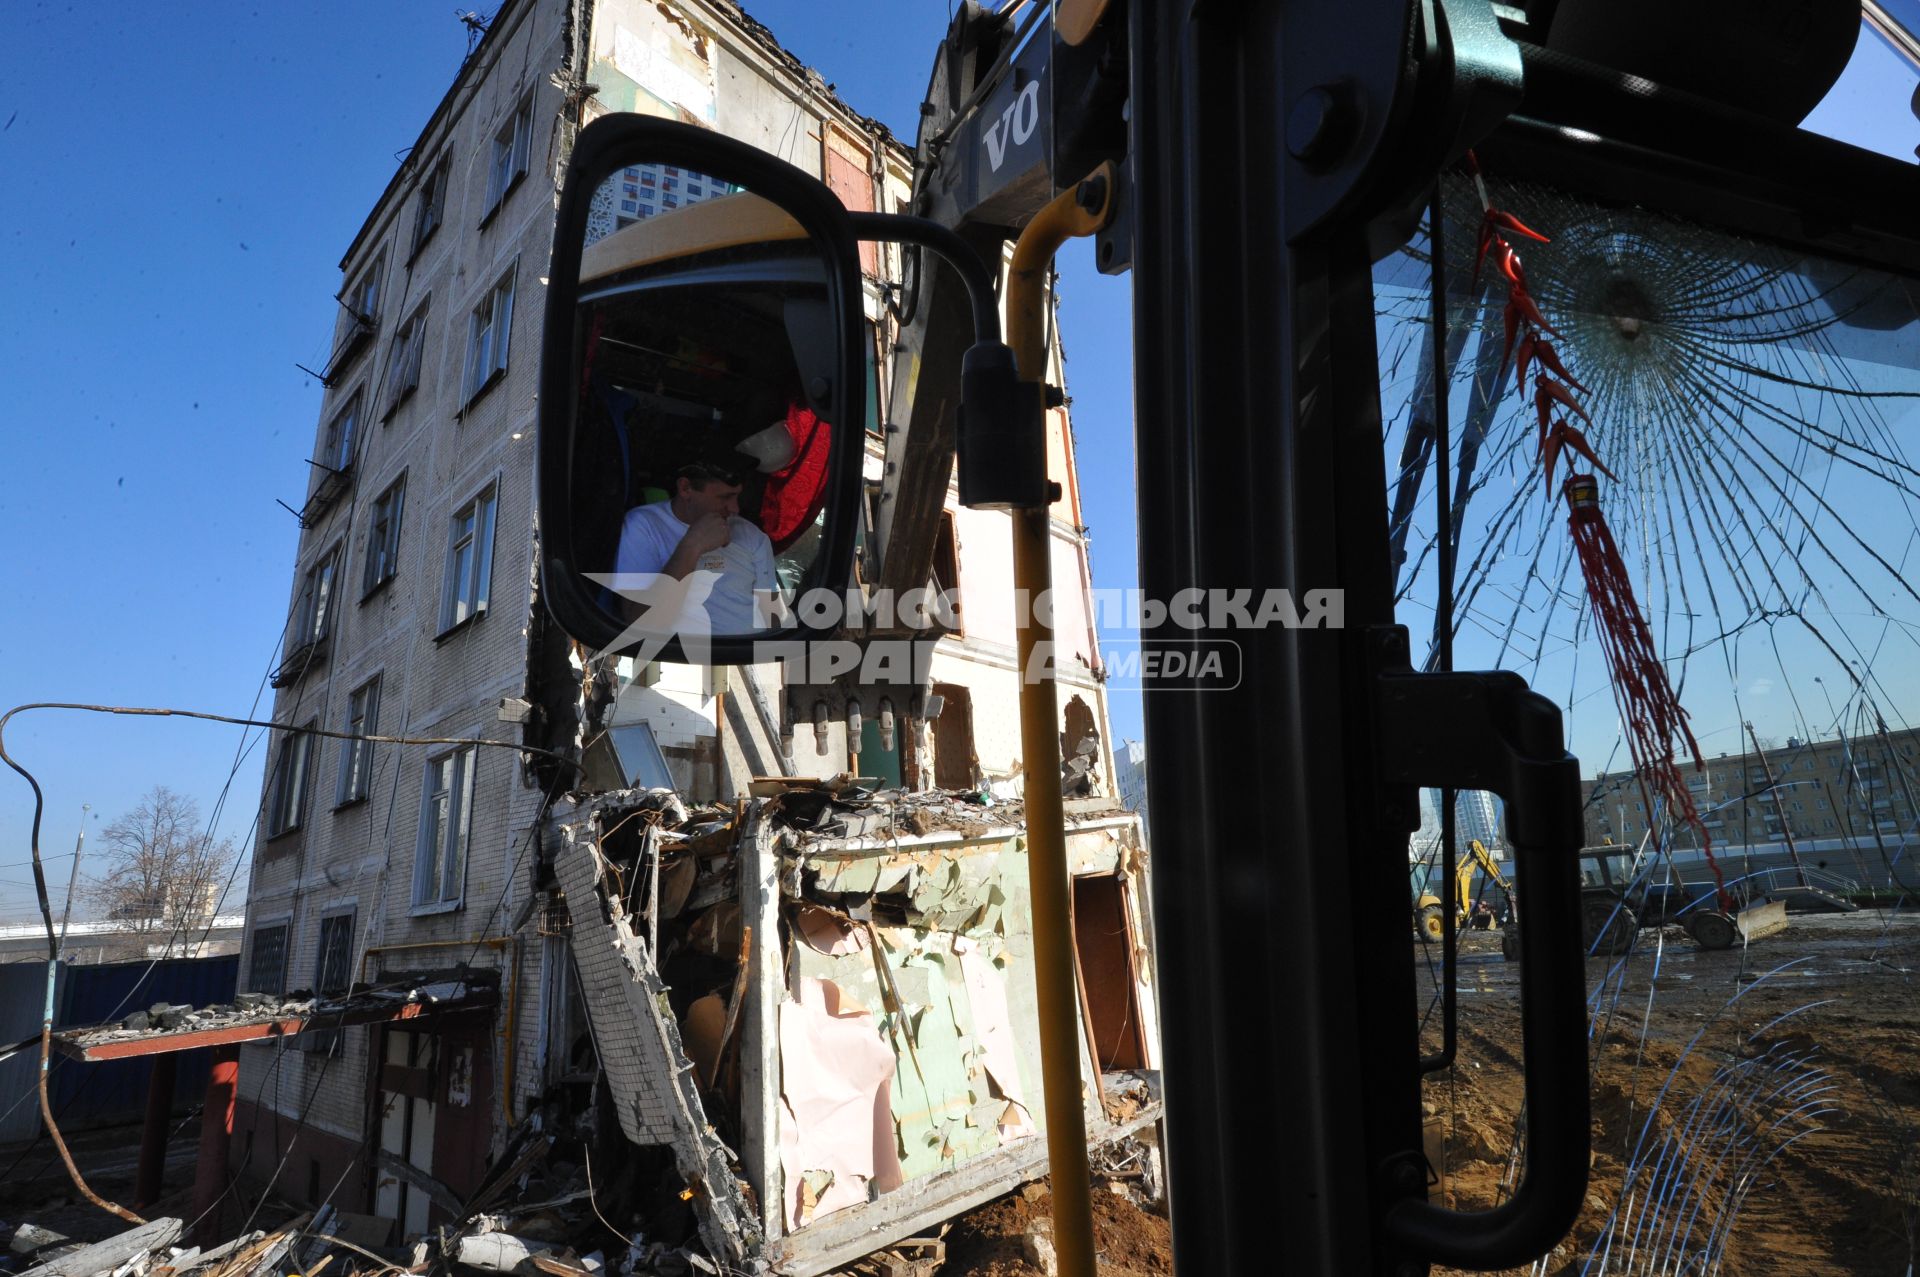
{"points": [[706, 351]]}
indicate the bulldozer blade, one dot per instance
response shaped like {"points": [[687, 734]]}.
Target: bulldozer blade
{"points": [[1761, 921]]}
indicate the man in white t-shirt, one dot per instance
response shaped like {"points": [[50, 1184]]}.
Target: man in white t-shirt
{"points": [[700, 529]]}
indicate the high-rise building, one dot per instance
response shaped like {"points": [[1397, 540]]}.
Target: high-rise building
{"points": [[1130, 777], [1476, 815]]}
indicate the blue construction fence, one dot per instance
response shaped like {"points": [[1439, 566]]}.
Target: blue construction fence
{"points": [[86, 1096]]}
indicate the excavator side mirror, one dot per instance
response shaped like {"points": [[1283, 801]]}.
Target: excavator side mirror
{"points": [[702, 397]]}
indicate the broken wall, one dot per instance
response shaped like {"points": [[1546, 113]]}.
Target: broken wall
{"points": [[823, 1002]]}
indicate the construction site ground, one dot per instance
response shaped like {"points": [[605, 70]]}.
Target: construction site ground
{"points": [[1820, 1184], [1840, 1199], [1690, 1047]]}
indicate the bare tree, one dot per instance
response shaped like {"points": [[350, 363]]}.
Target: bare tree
{"points": [[163, 870]]}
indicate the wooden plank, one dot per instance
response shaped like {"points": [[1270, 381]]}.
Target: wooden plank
{"points": [[104, 1257], [442, 1196], [220, 1252]]}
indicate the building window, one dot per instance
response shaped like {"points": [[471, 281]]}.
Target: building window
{"points": [[364, 301], [488, 331], [946, 569], [333, 968], [469, 560], [267, 964], [332, 978], [433, 204], [313, 615], [336, 445], [446, 810], [403, 367], [356, 756], [383, 538], [642, 762], [511, 146], [873, 380], [287, 786], [310, 622]]}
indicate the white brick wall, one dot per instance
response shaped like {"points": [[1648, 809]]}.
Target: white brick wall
{"points": [[432, 685]]}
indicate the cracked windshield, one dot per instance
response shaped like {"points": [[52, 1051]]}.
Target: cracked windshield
{"points": [[1641, 407]]}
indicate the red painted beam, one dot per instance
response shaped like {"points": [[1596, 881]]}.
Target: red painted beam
{"points": [[216, 1138], [179, 1040], [74, 1044], [153, 1136]]}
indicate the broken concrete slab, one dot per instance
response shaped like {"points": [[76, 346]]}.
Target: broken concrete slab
{"points": [[29, 1238], [500, 1252]]}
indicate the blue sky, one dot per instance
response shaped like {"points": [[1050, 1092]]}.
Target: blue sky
{"points": [[179, 183]]}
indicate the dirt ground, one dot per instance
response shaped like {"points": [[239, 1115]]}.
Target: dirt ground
{"points": [[1756, 1114], [1767, 1102], [1129, 1241]]}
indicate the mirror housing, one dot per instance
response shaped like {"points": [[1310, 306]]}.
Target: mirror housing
{"points": [[787, 246]]}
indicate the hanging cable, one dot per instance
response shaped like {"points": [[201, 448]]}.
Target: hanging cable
{"points": [[45, 899]]}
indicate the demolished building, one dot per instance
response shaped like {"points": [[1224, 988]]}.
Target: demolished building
{"points": [[697, 937], [823, 1008]]}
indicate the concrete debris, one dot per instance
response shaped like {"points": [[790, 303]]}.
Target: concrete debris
{"points": [[290, 1014], [811, 1039], [29, 1239], [911, 1257], [1037, 1245], [701, 936], [499, 1252]]}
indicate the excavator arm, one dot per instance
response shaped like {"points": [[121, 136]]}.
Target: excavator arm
{"points": [[1014, 113], [1017, 108], [1479, 857]]}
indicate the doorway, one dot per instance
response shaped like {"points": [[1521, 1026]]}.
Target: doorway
{"points": [[954, 762], [1109, 984]]}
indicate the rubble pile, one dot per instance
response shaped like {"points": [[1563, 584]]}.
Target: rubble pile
{"points": [[823, 987], [791, 1008], [278, 1015], [152, 1250]]}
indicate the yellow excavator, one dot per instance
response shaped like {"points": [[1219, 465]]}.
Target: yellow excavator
{"points": [[1429, 913]]}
